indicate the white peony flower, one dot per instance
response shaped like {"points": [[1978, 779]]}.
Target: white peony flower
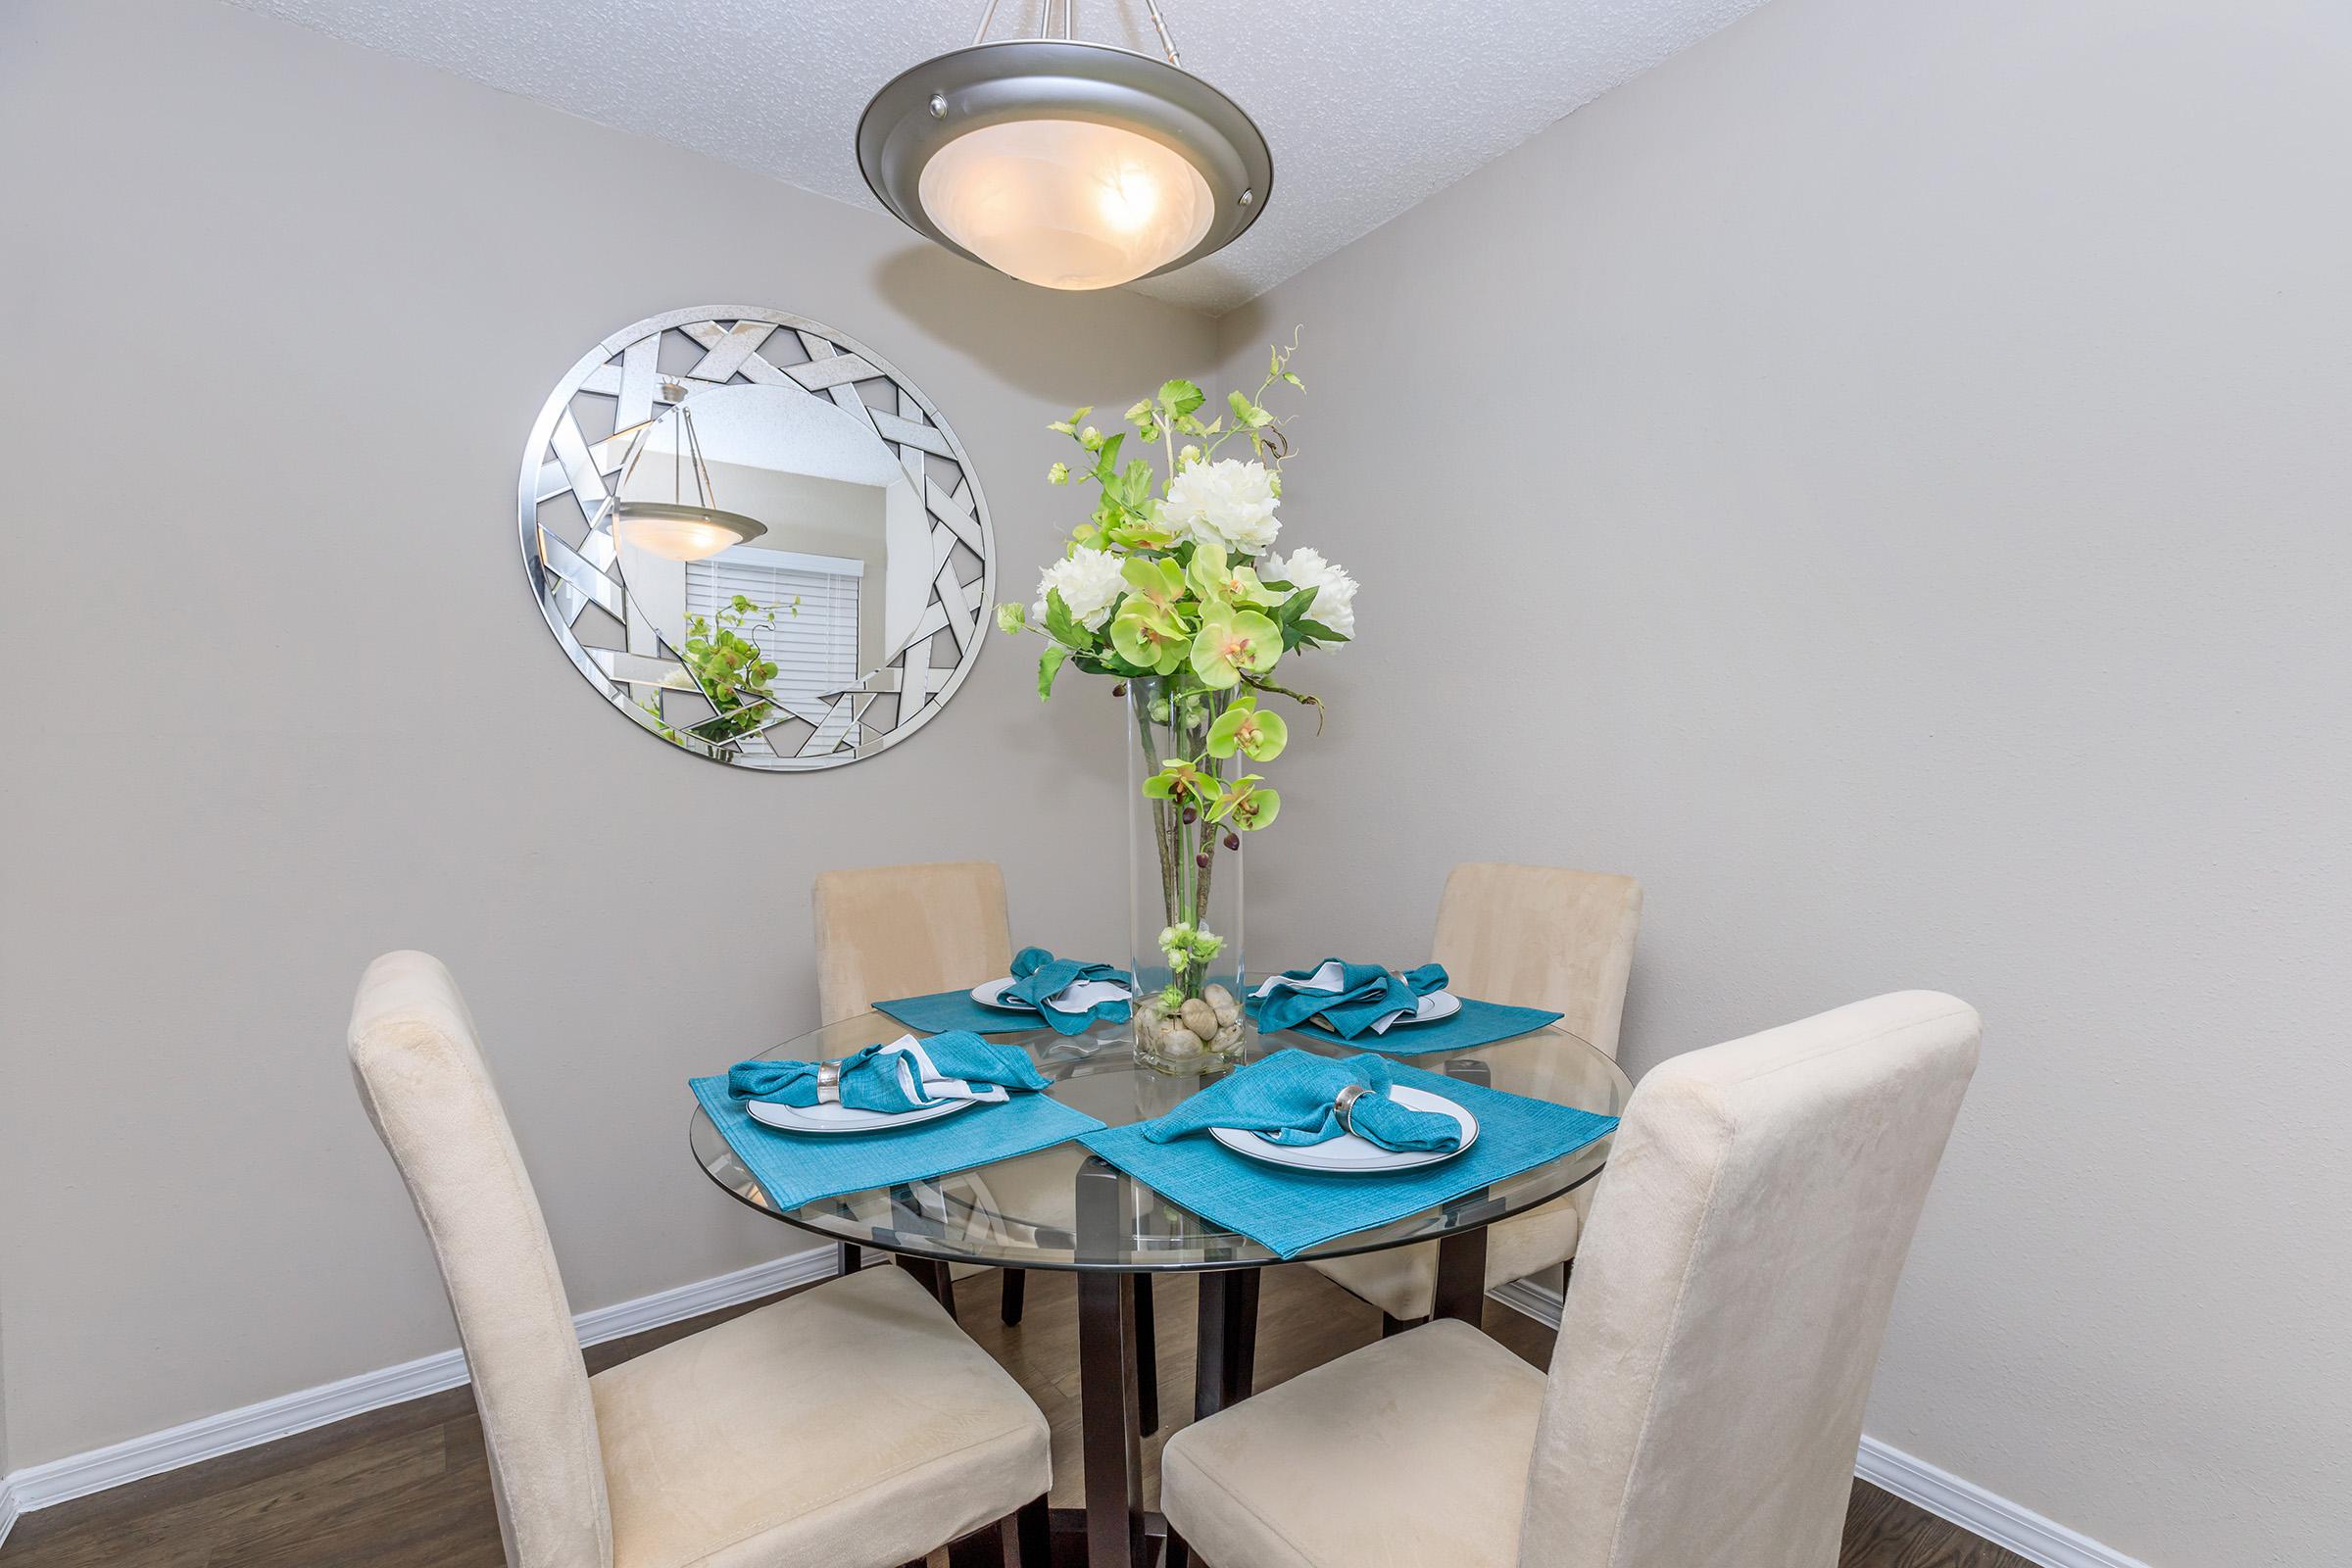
{"points": [[1230, 502], [1333, 604], [1088, 582]]}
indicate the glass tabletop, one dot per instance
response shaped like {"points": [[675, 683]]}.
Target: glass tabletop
{"points": [[1062, 1209]]}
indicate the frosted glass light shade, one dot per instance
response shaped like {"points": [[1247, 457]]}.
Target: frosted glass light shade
{"points": [[1066, 203], [681, 532]]}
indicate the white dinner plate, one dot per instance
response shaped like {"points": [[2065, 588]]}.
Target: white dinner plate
{"points": [[851, 1118], [1431, 1007], [1348, 1153], [1079, 997]]}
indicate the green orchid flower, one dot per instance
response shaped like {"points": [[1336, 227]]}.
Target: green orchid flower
{"points": [[1149, 533], [1156, 580], [1256, 735], [1231, 643], [1149, 638], [1247, 805], [1212, 580], [1179, 780]]}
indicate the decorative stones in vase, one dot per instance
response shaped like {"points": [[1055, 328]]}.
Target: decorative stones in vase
{"points": [[1200, 1034]]}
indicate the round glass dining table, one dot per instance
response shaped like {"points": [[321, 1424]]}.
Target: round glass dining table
{"points": [[1063, 1209]]}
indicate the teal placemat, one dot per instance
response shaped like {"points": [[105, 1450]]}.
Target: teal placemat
{"points": [[1479, 1023], [956, 1009], [797, 1168], [1288, 1212]]}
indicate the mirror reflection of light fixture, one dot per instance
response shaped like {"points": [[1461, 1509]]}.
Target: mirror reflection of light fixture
{"points": [[1066, 164], [676, 529]]}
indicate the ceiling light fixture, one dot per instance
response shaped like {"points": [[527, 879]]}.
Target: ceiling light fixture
{"points": [[676, 529], [1066, 164]]}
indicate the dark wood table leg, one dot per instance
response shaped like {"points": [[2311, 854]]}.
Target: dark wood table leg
{"points": [[1108, 1391], [1146, 1360], [1462, 1276], [1228, 1340], [1008, 1306]]}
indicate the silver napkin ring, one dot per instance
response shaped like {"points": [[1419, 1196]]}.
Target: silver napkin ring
{"points": [[828, 1083], [1344, 1100]]}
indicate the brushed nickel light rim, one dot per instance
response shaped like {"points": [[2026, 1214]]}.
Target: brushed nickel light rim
{"points": [[745, 529], [924, 108]]}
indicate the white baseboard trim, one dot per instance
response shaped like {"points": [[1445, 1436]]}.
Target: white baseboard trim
{"points": [[2009, 1525], [78, 1475], [1527, 1297]]}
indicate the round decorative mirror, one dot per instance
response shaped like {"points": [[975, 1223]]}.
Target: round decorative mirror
{"points": [[756, 538]]}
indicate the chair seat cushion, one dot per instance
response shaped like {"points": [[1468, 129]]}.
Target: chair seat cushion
{"points": [[1409, 1453], [1403, 1281], [853, 1424]]}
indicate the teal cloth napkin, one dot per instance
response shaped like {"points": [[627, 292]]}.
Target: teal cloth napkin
{"points": [[1479, 1023], [1366, 993], [890, 1077], [956, 1009], [796, 1169], [1288, 1098], [1038, 977], [1288, 1212]]}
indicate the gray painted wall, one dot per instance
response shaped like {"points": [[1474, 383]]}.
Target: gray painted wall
{"points": [[263, 734], [1882, 479]]}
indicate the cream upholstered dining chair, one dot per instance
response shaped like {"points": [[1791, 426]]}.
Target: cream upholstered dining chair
{"points": [[1534, 936], [889, 931], [851, 1424], [1705, 1395]]}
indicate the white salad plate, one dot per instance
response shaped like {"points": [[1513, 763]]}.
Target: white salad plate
{"points": [[1080, 998], [1348, 1153], [1437, 1004], [1429, 1009]]}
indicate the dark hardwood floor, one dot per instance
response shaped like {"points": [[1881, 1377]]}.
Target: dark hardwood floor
{"points": [[408, 1486]]}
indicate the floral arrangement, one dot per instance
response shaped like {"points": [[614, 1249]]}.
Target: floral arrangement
{"points": [[1171, 583], [728, 667]]}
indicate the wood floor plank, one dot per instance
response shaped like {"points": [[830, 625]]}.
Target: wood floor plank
{"points": [[409, 1487]]}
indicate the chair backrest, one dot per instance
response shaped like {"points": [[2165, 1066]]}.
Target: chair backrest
{"points": [[420, 1069], [1724, 1319], [1540, 936], [890, 931]]}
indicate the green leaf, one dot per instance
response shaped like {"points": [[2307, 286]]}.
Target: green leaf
{"points": [[1048, 665], [1248, 414], [1181, 396], [1106, 458], [1135, 484], [1062, 626]]}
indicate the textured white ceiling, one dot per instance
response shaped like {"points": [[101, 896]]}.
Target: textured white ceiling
{"points": [[1369, 108]]}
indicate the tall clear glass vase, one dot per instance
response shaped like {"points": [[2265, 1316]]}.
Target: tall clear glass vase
{"points": [[1184, 875]]}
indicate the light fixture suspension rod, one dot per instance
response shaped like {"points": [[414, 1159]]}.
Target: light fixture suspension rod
{"points": [[986, 17], [1166, 43]]}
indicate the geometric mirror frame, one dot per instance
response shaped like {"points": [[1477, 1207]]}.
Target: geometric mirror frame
{"points": [[854, 612]]}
